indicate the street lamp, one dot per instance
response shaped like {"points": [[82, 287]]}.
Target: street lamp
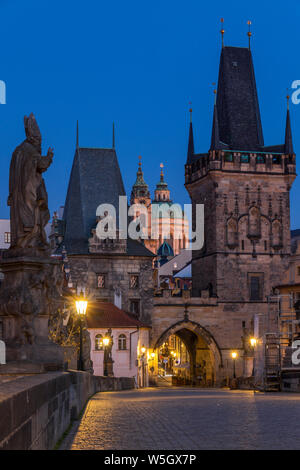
{"points": [[106, 343], [143, 349], [253, 342], [81, 307], [234, 356]]}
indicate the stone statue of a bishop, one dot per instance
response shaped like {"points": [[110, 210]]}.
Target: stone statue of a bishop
{"points": [[28, 198]]}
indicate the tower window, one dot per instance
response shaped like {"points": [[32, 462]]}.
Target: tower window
{"points": [[6, 237], [245, 158], [255, 281], [134, 281], [260, 159], [266, 245], [228, 157], [101, 281], [135, 306], [243, 245], [276, 159]]}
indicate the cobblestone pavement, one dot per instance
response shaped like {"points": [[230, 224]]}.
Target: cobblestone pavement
{"points": [[179, 418]]}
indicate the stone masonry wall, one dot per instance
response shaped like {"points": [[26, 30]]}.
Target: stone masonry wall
{"points": [[117, 270], [36, 410]]}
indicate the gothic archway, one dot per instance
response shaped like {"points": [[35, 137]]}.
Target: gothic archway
{"points": [[204, 354]]}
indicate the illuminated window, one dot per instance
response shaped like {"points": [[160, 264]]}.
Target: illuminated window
{"points": [[6, 237], [101, 281], [98, 343], [122, 342], [134, 281]]}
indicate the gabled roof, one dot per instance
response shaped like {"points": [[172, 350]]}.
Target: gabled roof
{"points": [[237, 102], [107, 315], [95, 179]]}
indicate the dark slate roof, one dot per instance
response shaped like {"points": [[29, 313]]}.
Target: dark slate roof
{"points": [[215, 143], [273, 148], [135, 248], [165, 250], [237, 102], [95, 179], [288, 143]]}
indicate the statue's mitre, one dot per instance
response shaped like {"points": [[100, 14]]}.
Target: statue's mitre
{"points": [[31, 127]]}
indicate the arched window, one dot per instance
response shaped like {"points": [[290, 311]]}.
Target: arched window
{"points": [[98, 342], [122, 342]]}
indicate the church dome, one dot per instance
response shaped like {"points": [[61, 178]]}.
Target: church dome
{"points": [[165, 250]]}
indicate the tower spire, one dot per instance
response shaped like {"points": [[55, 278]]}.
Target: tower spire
{"points": [[113, 136], [249, 34], [222, 31], [191, 150], [77, 136], [288, 143], [215, 136]]}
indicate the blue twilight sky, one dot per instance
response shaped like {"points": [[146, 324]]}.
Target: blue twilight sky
{"points": [[138, 63]]}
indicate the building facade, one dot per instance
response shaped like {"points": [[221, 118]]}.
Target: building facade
{"points": [[165, 221], [244, 187]]}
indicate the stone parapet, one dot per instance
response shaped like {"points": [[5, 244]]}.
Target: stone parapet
{"points": [[37, 409]]}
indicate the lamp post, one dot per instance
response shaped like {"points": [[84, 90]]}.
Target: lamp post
{"points": [[253, 342], [81, 307], [234, 356], [106, 343]]}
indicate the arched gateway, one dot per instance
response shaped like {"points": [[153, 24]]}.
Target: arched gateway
{"points": [[187, 353]]}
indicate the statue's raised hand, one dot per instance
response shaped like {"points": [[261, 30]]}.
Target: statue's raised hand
{"points": [[50, 152]]}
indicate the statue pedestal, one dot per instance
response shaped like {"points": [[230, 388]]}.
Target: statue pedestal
{"points": [[110, 370], [28, 295]]}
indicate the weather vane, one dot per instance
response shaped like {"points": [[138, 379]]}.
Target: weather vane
{"points": [[249, 31], [215, 92], [190, 110], [222, 31]]}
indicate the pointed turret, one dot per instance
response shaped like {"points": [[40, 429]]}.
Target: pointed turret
{"points": [[191, 151], [215, 136], [162, 192], [140, 189], [288, 143]]}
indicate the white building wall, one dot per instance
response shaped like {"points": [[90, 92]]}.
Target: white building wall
{"points": [[127, 363], [4, 228]]}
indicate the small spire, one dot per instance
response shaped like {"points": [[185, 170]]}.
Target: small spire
{"points": [[191, 150], [77, 136], [215, 136], [288, 143], [215, 94], [113, 136], [222, 31], [249, 34], [161, 172], [191, 112]]}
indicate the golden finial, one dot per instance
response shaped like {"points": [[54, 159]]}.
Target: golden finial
{"points": [[215, 93], [190, 110], [161, 171], [288, 100], [140, 160], [222, 31], [249, 31]]}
